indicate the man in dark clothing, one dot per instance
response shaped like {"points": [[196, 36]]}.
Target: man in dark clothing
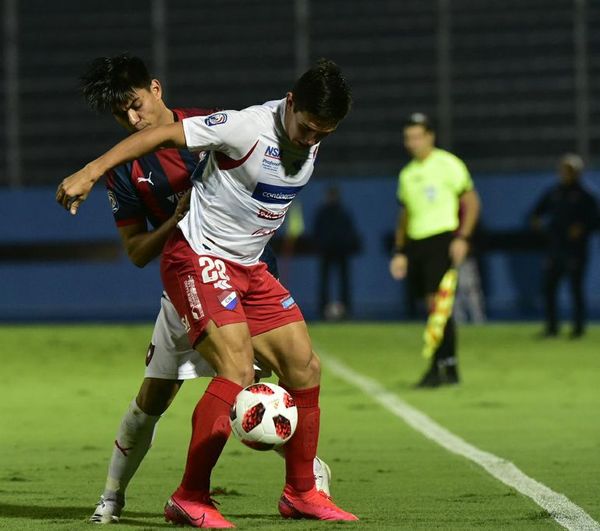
{"points": [[567, 214], [336, 240]]}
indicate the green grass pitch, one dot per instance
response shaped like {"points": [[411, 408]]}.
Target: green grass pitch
{"points": [[535, 403]]}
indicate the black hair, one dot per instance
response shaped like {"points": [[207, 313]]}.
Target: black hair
{"points": [[109, 82], [323, 91], [418, 118]]}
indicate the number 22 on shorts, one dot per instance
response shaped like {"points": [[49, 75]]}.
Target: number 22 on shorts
{"points": [[214, 272]]}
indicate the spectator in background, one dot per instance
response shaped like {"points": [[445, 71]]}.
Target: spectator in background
{"points": [[430, 238], [566, 214], [336, 240]]}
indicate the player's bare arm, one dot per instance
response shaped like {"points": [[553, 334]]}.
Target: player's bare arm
{"points": [[399, 262], [459, 247], [142, 245], [75, 189]]}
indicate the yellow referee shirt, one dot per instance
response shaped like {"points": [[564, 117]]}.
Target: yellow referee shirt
{"points": [[430, 191]]}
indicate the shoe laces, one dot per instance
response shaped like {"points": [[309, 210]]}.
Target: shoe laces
{"points": [[102, 502], [209, 500], [325, 495]]}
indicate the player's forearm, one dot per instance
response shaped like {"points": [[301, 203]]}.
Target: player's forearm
{"points": [[145, 247], [400, 239], [137, 145], [472, 207]]}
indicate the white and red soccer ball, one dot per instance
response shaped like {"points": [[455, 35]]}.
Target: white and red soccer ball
{"points": [[263, 416]]}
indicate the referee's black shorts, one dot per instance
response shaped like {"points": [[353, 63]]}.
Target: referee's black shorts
{"points": [[428, 261]]}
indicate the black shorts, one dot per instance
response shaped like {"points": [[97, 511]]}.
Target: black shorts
{"points": [[428, 261]]}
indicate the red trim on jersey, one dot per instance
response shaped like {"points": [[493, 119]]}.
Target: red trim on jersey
{"points": [[130, 221], [110, 179], [227, 163], [193, 111]]}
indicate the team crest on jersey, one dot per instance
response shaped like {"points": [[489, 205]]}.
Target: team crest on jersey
{"points": [[216, 119], [228, 300], [431, 193], [112, 199]]}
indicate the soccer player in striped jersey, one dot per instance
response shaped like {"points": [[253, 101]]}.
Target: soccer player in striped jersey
{"points": [[148, 197], [260, 158]]}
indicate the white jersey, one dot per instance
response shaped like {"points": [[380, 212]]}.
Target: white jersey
{"points": [[252, 174]]}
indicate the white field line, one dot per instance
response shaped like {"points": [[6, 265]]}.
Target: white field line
{"points": [[563, 510]]}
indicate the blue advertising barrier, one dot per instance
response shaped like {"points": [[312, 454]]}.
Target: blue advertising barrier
{"points": [[111, 288]]}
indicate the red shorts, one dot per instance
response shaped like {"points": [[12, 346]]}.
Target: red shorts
{"points": [[207, 288]]}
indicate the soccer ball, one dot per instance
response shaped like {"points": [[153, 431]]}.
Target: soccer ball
{"points": [[263, 416]]}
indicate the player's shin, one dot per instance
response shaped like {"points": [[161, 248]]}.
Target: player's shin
{"points": [[133, 441], [210, 431], [301, 449]]}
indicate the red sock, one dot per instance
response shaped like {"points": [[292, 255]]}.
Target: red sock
{"points": [[301, 449], [210, 431]]}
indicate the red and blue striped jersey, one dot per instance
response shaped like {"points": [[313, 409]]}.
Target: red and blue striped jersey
{"points": [[147, 189]]}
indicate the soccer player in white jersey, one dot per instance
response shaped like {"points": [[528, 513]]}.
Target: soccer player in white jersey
{"points": [[145, 194], [259, 160]]}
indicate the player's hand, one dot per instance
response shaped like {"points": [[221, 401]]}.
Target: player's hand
{"points": [[183, 205], [459, 247], [398, 266], [74, 190]]}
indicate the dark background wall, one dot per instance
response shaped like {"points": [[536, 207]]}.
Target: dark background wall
{"points": [[500, 78]]}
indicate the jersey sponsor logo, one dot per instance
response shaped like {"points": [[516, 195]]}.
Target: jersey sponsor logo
{"points": [[193, 299], [288, 302], [216, 119], [263, 232], [271, 165], [268, 214], [228, 300], [270, 193], [273, 152], [112, 199], [146, 179]]}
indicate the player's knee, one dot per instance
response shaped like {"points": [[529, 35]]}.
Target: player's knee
{"points": [[304, 372], [238, 370], [156, 394], [245, 375], [314, 367]]}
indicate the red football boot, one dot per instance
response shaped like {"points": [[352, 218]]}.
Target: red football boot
{"points": [[312, 504], [200, 511]]}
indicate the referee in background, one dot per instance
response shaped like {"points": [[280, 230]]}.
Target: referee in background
{"points": [[430, 237]]}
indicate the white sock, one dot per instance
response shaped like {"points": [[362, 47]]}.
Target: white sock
{"points": [[133, 441]]}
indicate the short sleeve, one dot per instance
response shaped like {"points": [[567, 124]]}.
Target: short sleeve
{"points": [[230, 132], [125, 204], [461, 177]]}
